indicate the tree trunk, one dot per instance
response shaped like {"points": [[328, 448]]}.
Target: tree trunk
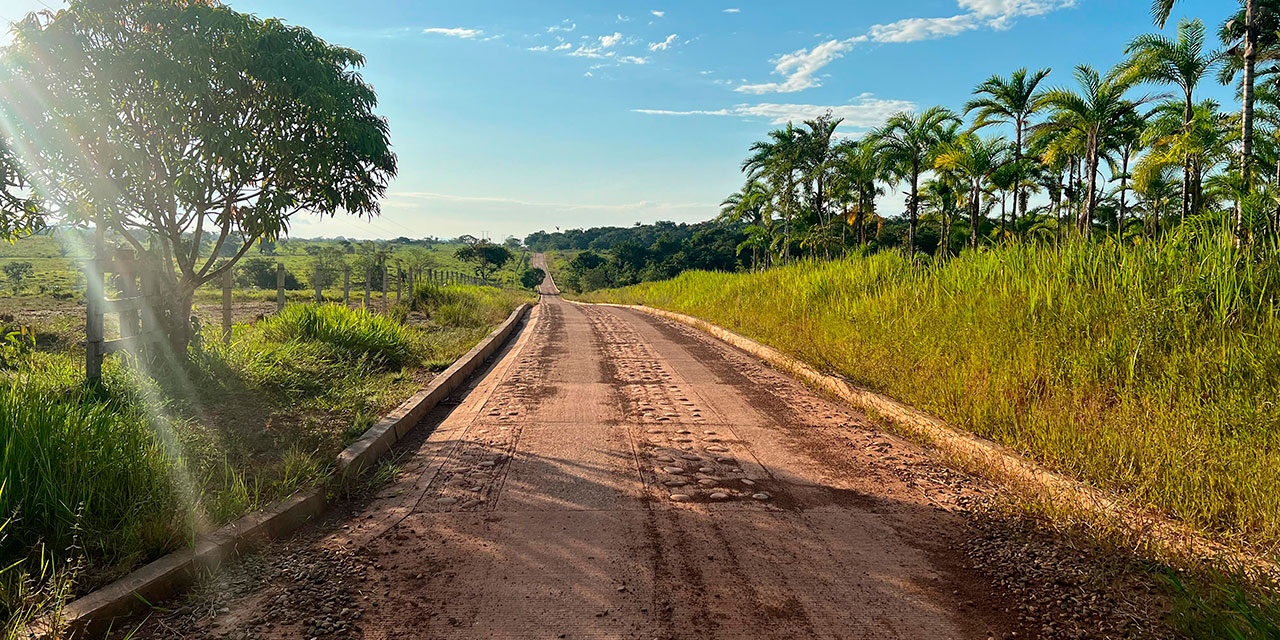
{"points": [[1124, 175], [1091, 165], [913, 209], [1246, 112], [973, 216]]}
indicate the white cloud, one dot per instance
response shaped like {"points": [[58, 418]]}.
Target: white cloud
{"points": [[801, 67], [733, 10], [563, 46], [916, 29], [662, 46], [658, 14], [994, 14], [622, 18], [540, 48], [454, 32], [633, 60], [565, 25], [609, 41], [864, 112]]}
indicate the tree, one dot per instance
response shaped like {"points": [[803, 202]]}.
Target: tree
{"points": [[532, 277], [19, 208], [1182, 63], [1092, 112], [976, 159], [907, 141], [1012, 101], [486, 258], [860, 169], [777, 161], [192, 119], [16, 272], [1195, 145], [748, 206]]}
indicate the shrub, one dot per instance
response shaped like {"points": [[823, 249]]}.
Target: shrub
{"points": [[355, 332]]}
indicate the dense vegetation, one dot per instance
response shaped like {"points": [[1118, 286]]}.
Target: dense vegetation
{"points": [[606, 257]]}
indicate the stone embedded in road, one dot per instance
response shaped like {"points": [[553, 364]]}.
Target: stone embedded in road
{"points": [[675, 483], [708, 482], [717, 449], [673, 470], [719, 496], [747, 482], [680, 497], [760, 496]]}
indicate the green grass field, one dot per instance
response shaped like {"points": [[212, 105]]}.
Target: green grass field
{"points": [[98, 481], [56, 274]]}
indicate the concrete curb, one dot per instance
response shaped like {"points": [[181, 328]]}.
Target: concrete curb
{"points": [[93, 614], [995, 460]]}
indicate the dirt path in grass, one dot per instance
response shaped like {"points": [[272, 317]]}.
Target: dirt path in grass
{"points": [[616, 475]]}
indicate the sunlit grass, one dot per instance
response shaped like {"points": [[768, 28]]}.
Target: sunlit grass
{"points": [[1149, 370], [118, 475]]}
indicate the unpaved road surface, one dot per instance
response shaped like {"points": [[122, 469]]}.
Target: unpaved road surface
{"points": [[617, 475]]}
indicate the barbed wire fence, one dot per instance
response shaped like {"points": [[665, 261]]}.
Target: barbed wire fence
{"points": [[369, 286]]}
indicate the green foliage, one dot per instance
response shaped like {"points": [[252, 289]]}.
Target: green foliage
{"points": [[1150, 370], [253, 121], [75, 463], [262, 273], [532, 277], [16, 272], [354, 332], [486, 258]]}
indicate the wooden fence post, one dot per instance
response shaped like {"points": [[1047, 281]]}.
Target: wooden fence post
{"points": [[316, 281], [279, 287], [226, 306], [93, 308], [368, 281], [386, 270], [399, 284], [346, 285], [125, 268]]}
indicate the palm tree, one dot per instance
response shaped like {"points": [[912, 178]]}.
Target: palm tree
{"points": [[859, 171], [1199, 145], [1183, 63], [907, 141], [975, 159], [816, 162], [777, 160], [1099, 106], [1249, 33], [1012, 101], [747, 206]]}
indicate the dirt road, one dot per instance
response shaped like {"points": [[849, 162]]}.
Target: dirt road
{"points": [[616, 475]]}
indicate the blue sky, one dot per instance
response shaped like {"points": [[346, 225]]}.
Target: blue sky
{"points": [[511, 116]]}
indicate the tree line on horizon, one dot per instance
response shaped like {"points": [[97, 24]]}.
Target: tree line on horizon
{"points": [[1090, 159]]}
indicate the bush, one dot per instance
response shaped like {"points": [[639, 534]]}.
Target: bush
{"points": [[261, 273], [355, 332]]}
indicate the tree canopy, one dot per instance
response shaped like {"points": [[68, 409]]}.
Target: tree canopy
{"points": [[173, 120]]}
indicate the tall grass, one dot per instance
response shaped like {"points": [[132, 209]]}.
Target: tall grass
{"points": [[106, 478], [1151, 370], [355, 332]]}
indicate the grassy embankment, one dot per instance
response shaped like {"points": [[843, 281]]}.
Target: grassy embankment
{"points": [[1151, 371], [99, 481], [1148, 371]]}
